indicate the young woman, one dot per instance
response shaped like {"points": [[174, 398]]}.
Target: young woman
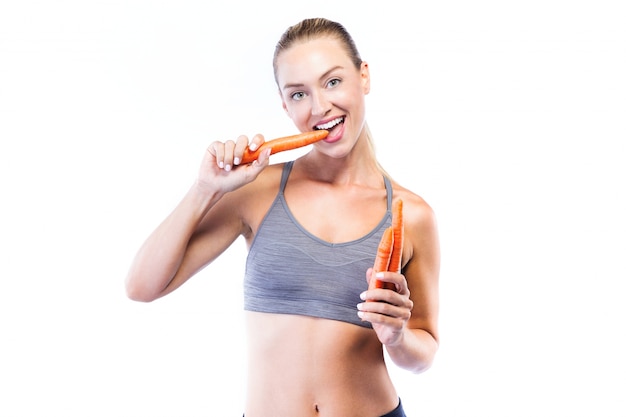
{"points": [[312, 227]]}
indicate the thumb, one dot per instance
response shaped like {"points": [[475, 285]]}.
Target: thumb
{"points": [[254, 169]]}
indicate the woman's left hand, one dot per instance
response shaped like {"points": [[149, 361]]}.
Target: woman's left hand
{"points": [[389, 311]]}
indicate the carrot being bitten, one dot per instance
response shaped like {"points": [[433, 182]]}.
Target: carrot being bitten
{"points": [[389, 254], [286, 143]]}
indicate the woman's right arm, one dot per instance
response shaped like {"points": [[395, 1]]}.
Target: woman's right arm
{"points": [[201, 227]]}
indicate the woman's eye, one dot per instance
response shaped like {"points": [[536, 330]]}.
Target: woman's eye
{"points": [[333, 83], [297, 96]]}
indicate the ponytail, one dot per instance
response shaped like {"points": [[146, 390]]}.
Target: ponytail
{"points": [[372, 147]]}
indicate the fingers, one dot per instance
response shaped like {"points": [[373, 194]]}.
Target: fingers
{"points": [[228, 154], [383, 306], [240, 146], [384, 313], [257, 141], [387, 297], [219, 151], [398, 280]]}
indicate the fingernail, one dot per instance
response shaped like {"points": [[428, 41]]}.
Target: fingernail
{"points": [[359, 306], [360, 314], [220, 164], [227, 167], [236, 161], [380, 275], [362, 295], [252, 147]]}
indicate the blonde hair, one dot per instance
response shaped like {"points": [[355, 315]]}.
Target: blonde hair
{"points": [[314, 28]]}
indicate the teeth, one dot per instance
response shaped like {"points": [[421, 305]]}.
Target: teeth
{"points": [[330, 124]]}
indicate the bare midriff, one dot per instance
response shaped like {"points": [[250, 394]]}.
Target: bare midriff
{"points": [[304, 366]]}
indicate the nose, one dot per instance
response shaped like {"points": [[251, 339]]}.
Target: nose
{"points": [[320, 105]]}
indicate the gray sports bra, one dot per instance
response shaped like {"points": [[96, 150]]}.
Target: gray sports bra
{"points": [[291, 271]]}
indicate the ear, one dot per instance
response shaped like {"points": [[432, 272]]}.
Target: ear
{"points": [[365, 77]]}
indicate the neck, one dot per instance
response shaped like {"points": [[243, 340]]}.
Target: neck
{"points": [[358, 167]]}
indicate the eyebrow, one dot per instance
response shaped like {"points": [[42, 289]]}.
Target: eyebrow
{"points": [[324, 75]]}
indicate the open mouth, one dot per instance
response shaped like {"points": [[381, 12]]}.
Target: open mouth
{"points": [[329, 125]]}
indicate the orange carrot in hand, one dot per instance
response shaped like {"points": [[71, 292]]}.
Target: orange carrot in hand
{"points": [[286, 143], [383, 255], [394, 261], [397, 222]]}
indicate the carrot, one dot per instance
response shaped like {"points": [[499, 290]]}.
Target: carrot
{"points": [[285, 144], [383, 254], [394, 263], [397, 222]]}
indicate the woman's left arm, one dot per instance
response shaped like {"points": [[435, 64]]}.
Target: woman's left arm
{"points": [[405, 320]]}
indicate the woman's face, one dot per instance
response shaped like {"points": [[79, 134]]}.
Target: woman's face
{"points": [[320, 88]]}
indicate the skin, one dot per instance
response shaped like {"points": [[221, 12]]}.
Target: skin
{"points": [[301, 365]]}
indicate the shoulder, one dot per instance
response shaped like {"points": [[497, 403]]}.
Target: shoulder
{"points": [[416, 209], [420, 221]]}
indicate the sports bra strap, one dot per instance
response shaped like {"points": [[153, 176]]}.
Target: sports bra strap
{"points": [[283, 179]]}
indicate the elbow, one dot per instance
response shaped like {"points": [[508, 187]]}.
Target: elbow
{"points": [[137, 292], [427, 361], [425, 357], [138, 296], [420, 366], [423, 366]]}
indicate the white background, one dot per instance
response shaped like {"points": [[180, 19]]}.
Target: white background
{"points": [[507, 117]]}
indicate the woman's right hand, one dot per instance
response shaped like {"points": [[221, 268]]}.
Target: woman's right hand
{"points": [[220, 166]]}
